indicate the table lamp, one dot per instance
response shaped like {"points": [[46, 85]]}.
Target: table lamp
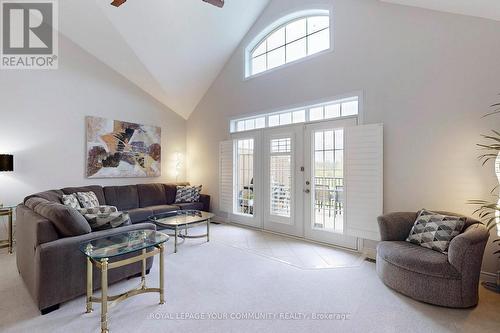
{"points": [[6, 164]]}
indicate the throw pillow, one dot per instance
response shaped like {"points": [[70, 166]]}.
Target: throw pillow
{"points": [[105, 217], [435, 231], [87, 199], [188, 194], [71, 200]]}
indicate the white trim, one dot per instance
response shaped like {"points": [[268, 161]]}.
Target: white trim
{"points": [[304, 106], [279, 23]]}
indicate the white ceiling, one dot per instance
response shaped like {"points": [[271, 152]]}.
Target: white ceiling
{"points": [[172, 49], [489, 9]]}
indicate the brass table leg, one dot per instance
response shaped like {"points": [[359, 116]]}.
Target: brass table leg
{"points": [[89, 285], [104, 295], [162, 275], [208, 230], [143, 273], [175, 242], [10, 232]]}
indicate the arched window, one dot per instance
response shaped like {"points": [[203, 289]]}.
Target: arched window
{"points": [[297, 38]]}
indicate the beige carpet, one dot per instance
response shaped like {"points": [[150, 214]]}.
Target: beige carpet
{"points": [[212, 287]]}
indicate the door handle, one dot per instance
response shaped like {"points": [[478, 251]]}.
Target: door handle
{"points": [[307, 191]]}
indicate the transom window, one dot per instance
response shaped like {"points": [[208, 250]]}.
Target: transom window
{"points": [[296, 39], [345, 107]]}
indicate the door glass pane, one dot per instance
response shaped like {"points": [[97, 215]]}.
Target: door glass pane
{"points": [[244, 177], [328, 193], [280, 177]]}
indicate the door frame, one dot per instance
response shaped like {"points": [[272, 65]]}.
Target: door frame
{"points": [[311, 233]]}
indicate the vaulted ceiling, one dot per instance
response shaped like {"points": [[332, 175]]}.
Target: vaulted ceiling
{"points": [[489, 9], [172, 49]]}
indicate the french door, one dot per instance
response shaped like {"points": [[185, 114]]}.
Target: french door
{"points": [[291, 180], [324, 186], [283, 204]]}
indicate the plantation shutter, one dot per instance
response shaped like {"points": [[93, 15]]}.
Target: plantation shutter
{"points": [[363, 180], [226, 176]]}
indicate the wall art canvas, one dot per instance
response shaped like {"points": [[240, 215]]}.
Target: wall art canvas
{"points": [[120, 149]]}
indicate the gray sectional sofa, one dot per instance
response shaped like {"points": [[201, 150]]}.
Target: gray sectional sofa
{"points": [[49, 233]]}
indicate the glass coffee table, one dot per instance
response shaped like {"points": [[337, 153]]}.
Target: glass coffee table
{"points": [[100, 251], [183, 220]]}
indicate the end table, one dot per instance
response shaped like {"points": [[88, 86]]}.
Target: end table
{"points": [[8, 211]]}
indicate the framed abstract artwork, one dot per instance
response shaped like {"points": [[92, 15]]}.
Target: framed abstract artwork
{"points": [[117, 149]]}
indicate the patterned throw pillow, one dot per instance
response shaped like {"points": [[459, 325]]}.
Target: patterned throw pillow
{"points": [[435, 231], [105, 217], [188, 194], [87, 199], [71, 200]]}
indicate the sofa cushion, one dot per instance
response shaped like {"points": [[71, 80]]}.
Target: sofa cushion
{"points": [[122, 197], [435, 231], [67, 221], [92, 188], [151, 195], [71, 200], [170, 192], [52, 195], [139, 214], [160, 209], [418, 259], [105, 217], [191, 205], [87, 199], [187, 194]]}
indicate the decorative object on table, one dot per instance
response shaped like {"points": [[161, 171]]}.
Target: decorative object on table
{"points": [[489, 211], [435, 231], [121, 149], [8, 211], [188, 194], [183, 220], [99, 252]]}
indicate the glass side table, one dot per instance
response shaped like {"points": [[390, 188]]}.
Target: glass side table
{"points": [[9, 212], [100, 251]]}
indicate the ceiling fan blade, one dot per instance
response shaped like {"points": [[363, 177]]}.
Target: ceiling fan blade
{"points": [[218, 3], [118, 3]]}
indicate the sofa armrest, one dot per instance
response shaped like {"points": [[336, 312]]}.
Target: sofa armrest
{"points": [[205, 199], [396, 226], [60, 267], [466, 250]]}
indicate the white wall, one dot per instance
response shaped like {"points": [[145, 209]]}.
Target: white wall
{"points": [[42, 122], [428, 76]]}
